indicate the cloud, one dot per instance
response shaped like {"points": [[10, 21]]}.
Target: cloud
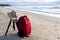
{"points": [[18, 1], [39, 0], [9, 0], [28, 0], [5, 0]]}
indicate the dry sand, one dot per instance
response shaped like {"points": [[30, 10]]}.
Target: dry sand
{"points": [[43, 27]]}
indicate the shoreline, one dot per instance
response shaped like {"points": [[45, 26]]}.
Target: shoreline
{"points": [[42, 13]]}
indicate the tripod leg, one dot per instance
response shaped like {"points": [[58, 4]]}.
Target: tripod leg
{"points": [[14, 25], [8, 27]]}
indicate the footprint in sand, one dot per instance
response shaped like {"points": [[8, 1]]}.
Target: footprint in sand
{"points": [[56, 29], [58, 37], [37, 37], [46, 39], [1, 24], [55, 26]]}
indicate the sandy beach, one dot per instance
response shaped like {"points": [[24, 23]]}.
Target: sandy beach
{"points": [[43, 27]]}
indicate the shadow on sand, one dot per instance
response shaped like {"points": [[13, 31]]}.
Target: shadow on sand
{"points": [[11, 37], [15, 37]]}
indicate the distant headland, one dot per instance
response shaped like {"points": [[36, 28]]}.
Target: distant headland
{"points": [[5, 5]]}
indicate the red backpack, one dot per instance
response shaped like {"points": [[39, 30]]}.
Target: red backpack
{"points": [[24, 26]]}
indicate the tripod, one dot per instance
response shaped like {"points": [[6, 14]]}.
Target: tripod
{"points": [[14, 22]]}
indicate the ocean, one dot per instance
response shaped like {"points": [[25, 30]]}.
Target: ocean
{"points": [[53, 11]]}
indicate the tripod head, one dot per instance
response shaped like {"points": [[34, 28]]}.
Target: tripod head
{"points": [[12, 15]]}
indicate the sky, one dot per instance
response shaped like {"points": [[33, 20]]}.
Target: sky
{"points": [[40, 0], [29, 0]]}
